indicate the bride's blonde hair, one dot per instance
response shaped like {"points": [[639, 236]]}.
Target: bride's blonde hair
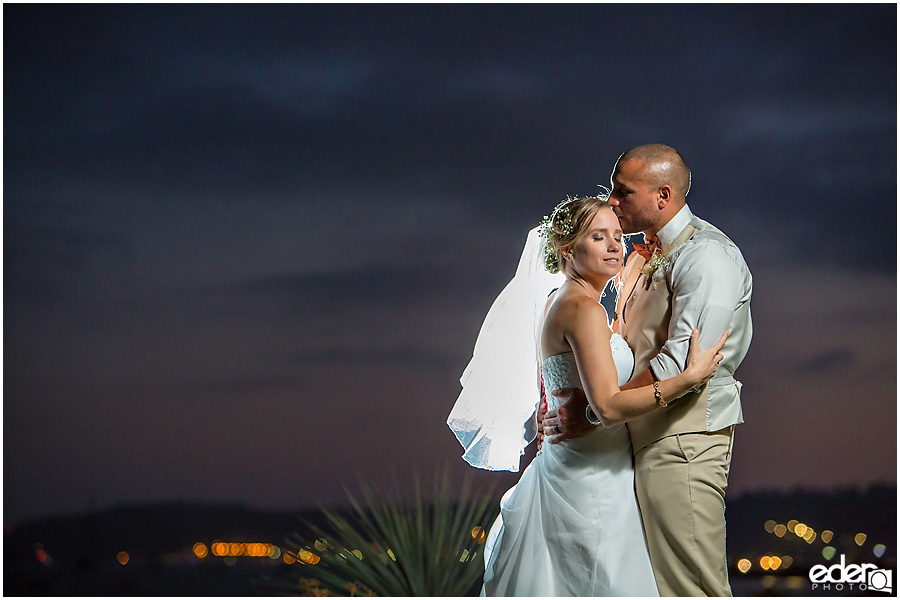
{"points": [[568, 222]]}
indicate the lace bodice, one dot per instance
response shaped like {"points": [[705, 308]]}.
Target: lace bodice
{"points": [[560, 371]]}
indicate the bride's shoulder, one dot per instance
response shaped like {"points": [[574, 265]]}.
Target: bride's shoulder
{"points": [[579, 307]]}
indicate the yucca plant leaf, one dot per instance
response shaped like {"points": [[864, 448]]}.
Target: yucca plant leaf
{"points": [[426, 547]]}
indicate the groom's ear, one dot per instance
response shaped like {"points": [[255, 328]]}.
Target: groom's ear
{"points": [[663, 196]]}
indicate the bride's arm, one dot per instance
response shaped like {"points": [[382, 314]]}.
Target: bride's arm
{"points": [[588, 334]]}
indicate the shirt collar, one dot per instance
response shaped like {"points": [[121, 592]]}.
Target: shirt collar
{"points": [[671, 230]]}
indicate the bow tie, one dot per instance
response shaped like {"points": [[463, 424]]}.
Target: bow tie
{"points": [[647, 250]]}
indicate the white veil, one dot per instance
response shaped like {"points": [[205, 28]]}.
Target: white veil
{"points": [[493, 418]]}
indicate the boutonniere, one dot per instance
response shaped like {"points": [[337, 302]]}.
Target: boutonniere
{"points": [[657, 261]]}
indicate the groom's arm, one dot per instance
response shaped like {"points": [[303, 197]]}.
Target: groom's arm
{"points": [[707, 287]]}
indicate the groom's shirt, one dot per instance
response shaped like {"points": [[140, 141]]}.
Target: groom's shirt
{"points": [[701, 282]]}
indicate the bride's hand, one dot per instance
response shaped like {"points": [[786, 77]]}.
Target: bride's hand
{"points": [[702, 364]]}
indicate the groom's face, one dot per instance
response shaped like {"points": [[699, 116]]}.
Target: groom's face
{"points": [[633, 198]]}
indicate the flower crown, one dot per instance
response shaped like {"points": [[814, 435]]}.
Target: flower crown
{"points": [[560, 222], [565, 227], [564, 224]]}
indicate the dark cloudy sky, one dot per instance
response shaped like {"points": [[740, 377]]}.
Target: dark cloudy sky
{"points": [[247, 250]]}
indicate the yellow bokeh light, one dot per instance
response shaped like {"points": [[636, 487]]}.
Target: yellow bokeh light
{"points": [[464, 555], [200, 550], [827, 535], [860, 539], [358, 554], [780, 530], [810, 537], [791, 524], [479, 535], [770, 525], [744, 565], [800, 529], [391, 554], [774, 562], [122, 557], [321, 545], [765, 562], [787, 561], [288, 558]]}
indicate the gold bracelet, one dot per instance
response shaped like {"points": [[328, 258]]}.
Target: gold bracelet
{"points": [[658, 395]]}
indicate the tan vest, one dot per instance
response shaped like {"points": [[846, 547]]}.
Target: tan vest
{"points": [[643, 320]]}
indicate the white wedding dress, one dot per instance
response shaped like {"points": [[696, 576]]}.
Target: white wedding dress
{"points": [[571, 526]]}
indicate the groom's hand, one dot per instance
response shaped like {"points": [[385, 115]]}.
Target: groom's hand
{"points": [[569, 421], [542, 411]]}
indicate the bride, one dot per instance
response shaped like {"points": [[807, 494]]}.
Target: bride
{"points": [[571, 526]]}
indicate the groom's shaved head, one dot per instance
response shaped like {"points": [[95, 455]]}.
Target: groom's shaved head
{"points": [[664, 166]]}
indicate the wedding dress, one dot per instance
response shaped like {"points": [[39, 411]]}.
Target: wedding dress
{"points": [[571, 526]]}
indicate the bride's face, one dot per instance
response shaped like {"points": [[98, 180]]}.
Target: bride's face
{"points": [[599, 250]]}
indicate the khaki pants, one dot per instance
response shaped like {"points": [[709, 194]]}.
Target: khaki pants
{"points": [[680, 482]]}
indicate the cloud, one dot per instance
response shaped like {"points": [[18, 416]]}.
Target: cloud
{"points": [[828, 361]]}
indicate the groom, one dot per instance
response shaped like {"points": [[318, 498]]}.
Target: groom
{"points": [[689, 275]]}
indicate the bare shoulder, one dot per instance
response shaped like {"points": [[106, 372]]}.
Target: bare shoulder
{"points": [[582, 311]]}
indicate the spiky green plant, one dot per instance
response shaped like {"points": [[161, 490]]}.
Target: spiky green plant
{"points": [[429, 547]]}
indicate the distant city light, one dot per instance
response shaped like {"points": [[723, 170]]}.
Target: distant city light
{"points": [[122, 557], [787, 561], [795, 582], [774, 562], [800, 529], [878, 550], [791, 524], [765, 562], [780, 530], [479, 535], [200, 550], [233, 549], [826, 536], [744, 565], [860, 539], [810, 536], [770, 525]]}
